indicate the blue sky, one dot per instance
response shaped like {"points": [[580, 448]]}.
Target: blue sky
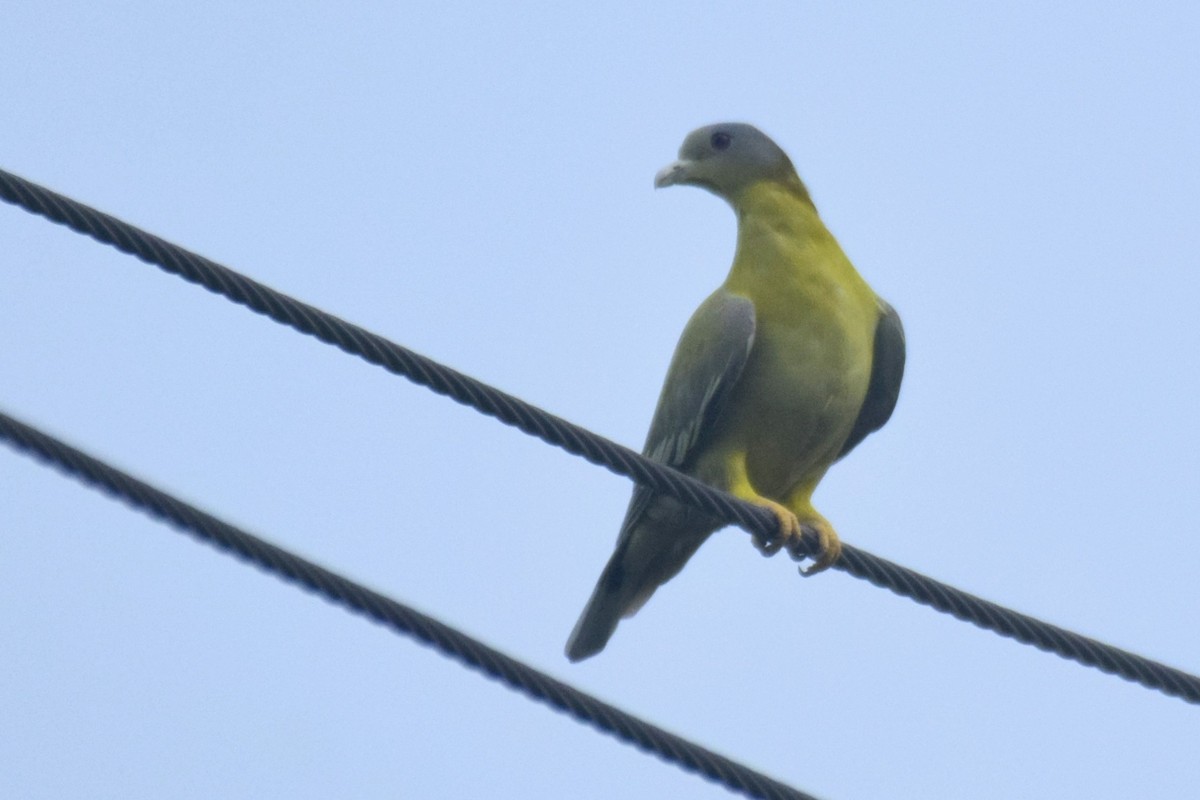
{"points": [[475, 183]]}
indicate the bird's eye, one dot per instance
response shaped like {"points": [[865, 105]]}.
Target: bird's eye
{"points": [[721, 140]]}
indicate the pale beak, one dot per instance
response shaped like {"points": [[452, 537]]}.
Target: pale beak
{"points": [[673, 173]]}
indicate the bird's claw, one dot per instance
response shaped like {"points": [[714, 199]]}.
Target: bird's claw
{"points": [[785, 536], [790, 535], [768, 547], [828, 542]]}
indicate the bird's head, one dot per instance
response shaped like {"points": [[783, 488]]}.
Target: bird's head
{"points": [[726, 159]]}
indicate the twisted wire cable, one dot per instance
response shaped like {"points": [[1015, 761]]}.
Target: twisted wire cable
{"points": [[576, 440], [392, 614]]}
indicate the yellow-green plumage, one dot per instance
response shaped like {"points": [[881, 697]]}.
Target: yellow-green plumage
{"points": [[779, 373], [807, 374]]}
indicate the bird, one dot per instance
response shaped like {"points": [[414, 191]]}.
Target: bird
{"points": [[780, 372]]}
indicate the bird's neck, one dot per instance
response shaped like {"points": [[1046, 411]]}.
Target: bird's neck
{"points": [[778, 229]]}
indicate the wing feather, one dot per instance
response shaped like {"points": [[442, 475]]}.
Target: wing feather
{"points": [[708, 361], [887, 370]]}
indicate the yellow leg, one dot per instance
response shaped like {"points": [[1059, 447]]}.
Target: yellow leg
{"points": [[792, 523], [831, 547], [738, 482], [789, 528]]}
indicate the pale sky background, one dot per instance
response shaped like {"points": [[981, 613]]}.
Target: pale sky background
{"points": [[474, 182]]}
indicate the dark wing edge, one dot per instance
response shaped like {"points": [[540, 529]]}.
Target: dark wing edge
{"points": [[887, 370], [708, 361]]}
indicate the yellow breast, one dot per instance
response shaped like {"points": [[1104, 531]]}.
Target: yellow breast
{"points": [[807, 374]]}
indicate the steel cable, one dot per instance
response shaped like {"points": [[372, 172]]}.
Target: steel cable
{"points": [[579, 441], [392, 614]]}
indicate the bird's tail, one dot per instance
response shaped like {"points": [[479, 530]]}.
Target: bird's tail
{"points": [[612, 600], [639, 565]]}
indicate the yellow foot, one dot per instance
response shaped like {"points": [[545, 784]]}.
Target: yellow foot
{"points": [[827, 538], [791, 535], [789, 528]]}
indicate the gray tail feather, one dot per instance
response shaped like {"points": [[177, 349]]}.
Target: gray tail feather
{"points": [[613, 599], [641, 563]]}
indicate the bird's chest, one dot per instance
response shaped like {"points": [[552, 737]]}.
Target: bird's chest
{"points": [[806, 377]]}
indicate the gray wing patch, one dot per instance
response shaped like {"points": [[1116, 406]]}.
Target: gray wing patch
{"points": [[707, 364], [887, 370], [708, 361]]}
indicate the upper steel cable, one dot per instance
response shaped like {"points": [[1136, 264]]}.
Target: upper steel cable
{"points": [[397, 616], [579, 441]]}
